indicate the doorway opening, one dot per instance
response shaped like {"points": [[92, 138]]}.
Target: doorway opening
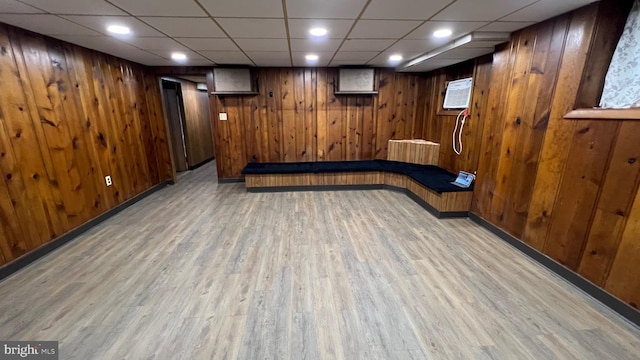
{"points": [[186, 106]]}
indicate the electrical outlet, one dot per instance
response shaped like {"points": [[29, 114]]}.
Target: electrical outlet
{"points": [[223, 116], [107, 179]]}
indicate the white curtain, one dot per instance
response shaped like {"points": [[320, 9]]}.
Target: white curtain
{"points": [[622, 84]]}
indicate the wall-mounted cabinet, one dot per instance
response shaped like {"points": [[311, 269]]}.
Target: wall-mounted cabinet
{"points": [[356, 82], [234, 81]]}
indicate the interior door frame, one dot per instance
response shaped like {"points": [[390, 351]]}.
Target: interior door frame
{"points": [[181, 115], [176, 71]]}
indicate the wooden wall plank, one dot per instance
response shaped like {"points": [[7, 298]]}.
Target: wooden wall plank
{"points": [[614, 204], [555, 150], [623, 280]]}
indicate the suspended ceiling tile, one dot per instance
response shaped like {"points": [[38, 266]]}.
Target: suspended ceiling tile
{"points": [[365, 45], [362, 56], [86, 7], [263, 44], [458, 29], [486, 10], [254, 28], [327, 9], [15, 7], [404, 9], [46, 24], [323, 59], [191, 55], [337, 29], [274, 63], [155, 43], [185, 27], [218, 44], [100, 24], [315, 45], [382, 29], [465, 53], [226, 57], [545, 9], [160, 7], [244, 8], [506, 26], [411, 48]]}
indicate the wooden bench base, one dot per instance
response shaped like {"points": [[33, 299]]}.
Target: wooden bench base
{"points": [[447, 204]]}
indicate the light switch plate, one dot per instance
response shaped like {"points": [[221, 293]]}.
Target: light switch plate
{"points": [[223, 116]]}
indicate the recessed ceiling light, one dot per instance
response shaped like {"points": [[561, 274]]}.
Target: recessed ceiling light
{"points": [[178, 56], [318, 31], [312, 57], [442, 33], [118, 29], [395, 58]]}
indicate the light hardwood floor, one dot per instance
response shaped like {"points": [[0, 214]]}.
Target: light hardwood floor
{"points": [[201, 270]]}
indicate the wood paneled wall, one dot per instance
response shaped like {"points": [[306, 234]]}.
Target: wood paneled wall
{"points": [[297, 117], [68, 117], [568, 188], [198, 135]]}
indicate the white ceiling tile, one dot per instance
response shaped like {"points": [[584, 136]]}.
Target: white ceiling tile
{"points": [[167, 62], [254, 28], [465, 53], [458, 28], [217, 44], [191, 55], [338, 63], [323, 59], [14, 7], [545, 9], [263, 44], [486, 10], [382, 29], [100, 24], [404, 9], [361, 56], [243, 8], [409, 49], [506, 26], [275, 63], [160, 7], [315, 45], [108, 45], [365, 45], [338, 29], [155, 43], [267, 55], [46, 24], [185, 27], [86, 7], [326, 9], [226, 57]]}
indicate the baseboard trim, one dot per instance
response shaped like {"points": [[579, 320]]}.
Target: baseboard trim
{"points": [[230, 181], [625, 310], [44, 250], [314, 188], [201, 163]]}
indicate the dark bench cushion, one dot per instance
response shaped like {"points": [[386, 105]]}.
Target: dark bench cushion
{"points": [[430, 176]]}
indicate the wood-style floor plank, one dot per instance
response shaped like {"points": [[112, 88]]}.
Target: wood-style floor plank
{"points": [[203, 270]]}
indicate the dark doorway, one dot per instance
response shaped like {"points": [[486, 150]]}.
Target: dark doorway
{"points": [[174, 108]]}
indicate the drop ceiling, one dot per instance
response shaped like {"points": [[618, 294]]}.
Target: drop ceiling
{"points": [[276, 32]]}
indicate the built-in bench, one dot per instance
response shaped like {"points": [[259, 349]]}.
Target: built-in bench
{"points": [[429, 185]]}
